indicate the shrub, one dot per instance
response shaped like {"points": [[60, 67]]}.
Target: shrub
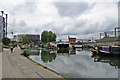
{"points": [[5, 41], [6, 46], [26, 52]]}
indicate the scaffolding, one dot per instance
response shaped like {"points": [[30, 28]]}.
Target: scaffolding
{"points": [[4, 23]]}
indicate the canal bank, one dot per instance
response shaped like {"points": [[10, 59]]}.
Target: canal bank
{"points": [[16, 66], [113, 43], [78, 63]]}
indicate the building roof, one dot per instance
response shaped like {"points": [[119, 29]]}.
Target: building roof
{"points": [[72, 38], [29, 34]]}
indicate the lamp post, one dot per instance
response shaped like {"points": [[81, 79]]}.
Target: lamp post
{"points": [[6, 23], [100, 35], [115, 32], [2, 13]]}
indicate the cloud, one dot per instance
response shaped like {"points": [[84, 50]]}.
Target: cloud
{"points": [[22, 23], [72, 9], [77, 19], [28, 7], [17, 27]]}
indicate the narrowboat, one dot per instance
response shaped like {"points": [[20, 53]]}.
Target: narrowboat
{"points": [[95, 50], [107, 50], [104, 50], [77, 46]]}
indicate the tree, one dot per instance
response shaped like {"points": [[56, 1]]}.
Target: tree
{"points": [[54, 37], [45, 36], [118, 38], [48, 36], [25, 40], [6, 41]]}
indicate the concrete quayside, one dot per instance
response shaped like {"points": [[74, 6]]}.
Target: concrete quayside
{"points": [[15, 65]]}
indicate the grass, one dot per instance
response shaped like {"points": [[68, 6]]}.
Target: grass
{"points": [[107, 39]]}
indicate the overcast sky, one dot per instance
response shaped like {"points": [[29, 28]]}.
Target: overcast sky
{"points": [[76, 18]]}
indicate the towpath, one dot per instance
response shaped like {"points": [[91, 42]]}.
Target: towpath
{"points": [[16, 66]]}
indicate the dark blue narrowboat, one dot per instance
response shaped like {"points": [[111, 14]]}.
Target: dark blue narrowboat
{"points": [[107, 50]]}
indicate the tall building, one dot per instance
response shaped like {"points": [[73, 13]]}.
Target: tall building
{"points": [[1, 31], [3, 22]]}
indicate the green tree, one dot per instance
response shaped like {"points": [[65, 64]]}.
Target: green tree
{"points": [[25, 40], [118, 38], [48, 36], [54, 37], [45, 36], [6, 41]]}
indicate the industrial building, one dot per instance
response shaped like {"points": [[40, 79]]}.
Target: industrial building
{"points": [[33, 37]]}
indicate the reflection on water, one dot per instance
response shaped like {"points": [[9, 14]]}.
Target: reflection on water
{"points": [[47, 56], [112, 60], [78, 63]]}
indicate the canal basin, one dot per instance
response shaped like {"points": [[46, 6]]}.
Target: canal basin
{"points": [[75, 64]]}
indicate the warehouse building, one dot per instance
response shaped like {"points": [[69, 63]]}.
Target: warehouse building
{"points": [[33, 37]]}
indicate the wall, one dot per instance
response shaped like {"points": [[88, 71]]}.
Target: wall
{"points": [[1, 29]]}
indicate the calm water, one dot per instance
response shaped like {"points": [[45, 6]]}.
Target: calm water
{"points": [[77, 63]]}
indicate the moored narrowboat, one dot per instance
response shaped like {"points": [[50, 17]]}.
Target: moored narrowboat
{"points": [[115, 50], [107, 50]]}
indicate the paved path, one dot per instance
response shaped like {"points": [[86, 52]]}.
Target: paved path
{"points": [[16, 66]]}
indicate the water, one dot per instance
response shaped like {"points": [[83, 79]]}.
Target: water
{"points": [[78, 63]]}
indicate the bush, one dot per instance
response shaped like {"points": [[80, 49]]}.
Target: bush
{"points": [[6, 46], [26, 52], [6, 41]]}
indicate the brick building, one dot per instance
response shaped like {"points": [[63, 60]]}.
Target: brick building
{"points": [[71, 40]]}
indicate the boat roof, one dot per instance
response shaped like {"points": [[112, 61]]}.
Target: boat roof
{"points": [[115, 46]]}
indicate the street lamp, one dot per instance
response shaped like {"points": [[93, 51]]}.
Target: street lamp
{"points": [[6, 23], [2, 13]]}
